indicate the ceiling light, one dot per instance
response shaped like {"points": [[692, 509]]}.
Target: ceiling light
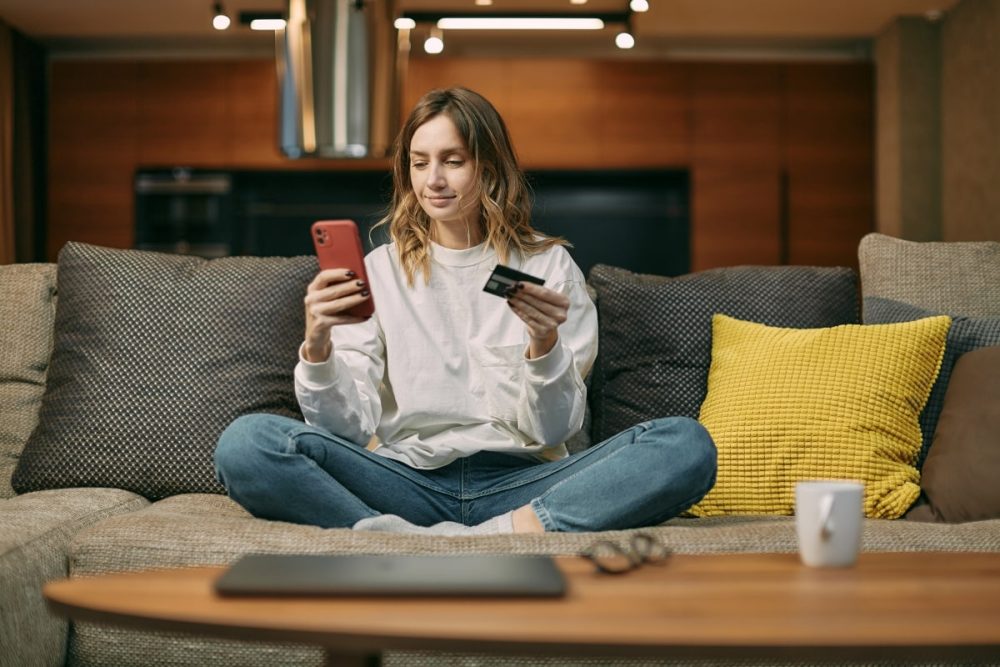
{"points": [[484, 3], [513, 21], [263, 20], [267, 24], [639, 6], [435, 43], [624, 40], [577, 2], [220, 20], [519, 23]]}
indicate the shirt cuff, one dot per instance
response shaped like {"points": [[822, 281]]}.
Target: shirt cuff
{"points": [[317, 374], [550, 365]]}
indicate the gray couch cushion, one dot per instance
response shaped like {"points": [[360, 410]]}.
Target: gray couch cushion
{"points": [[35, 533], [961, 278], [209, 529], [966, 334], [154, 355], [656, 332], [27, 309]]}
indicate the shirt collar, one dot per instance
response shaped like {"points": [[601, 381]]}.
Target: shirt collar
{"points": [[462, 256]]}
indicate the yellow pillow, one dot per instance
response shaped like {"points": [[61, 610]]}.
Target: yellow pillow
{"points": [[786, 405]]}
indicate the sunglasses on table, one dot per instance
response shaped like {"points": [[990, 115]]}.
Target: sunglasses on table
{"points": [[611, 558]]}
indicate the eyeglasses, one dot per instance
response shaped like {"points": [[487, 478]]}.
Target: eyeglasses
{"points": [[611, 558]]}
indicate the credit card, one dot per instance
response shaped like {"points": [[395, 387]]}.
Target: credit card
{"points": [[504, 277]]}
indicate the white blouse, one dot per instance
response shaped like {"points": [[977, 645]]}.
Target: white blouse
{"points": [[440, 371]]}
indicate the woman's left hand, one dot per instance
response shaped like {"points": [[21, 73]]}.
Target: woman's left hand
{"points": [[542, 311]]}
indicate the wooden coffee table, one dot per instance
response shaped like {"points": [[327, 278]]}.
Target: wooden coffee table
{"points": [[891, 605]]}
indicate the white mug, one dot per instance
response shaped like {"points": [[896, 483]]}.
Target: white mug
{"points": [[828, 521]]}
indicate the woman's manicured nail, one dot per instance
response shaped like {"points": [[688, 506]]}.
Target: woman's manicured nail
{"points": [[351, 274], [361, 283], [364, 293]]}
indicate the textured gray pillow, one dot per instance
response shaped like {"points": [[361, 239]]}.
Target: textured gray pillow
{"points": [[27, 308], [656, 332], [966, 334], [942, 277], [153, 356]]}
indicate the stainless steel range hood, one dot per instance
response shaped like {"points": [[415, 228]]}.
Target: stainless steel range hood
{"points": [[335, 69]]}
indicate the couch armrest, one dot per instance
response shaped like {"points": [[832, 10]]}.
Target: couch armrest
{"points": [[35, 532]]}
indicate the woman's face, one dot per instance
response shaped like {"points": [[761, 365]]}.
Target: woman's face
{"points": [[443, 174]]}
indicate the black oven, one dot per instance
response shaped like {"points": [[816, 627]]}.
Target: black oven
{"points": [[184, 211], [635, 219]]}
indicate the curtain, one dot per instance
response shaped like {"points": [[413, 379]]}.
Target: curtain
{"points": [[8, 241], [23, 115]]}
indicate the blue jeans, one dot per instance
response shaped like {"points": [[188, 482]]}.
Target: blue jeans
{"points": [[282, 469]]}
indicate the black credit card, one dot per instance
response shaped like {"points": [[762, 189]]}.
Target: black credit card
{"points": [[504, 277]]}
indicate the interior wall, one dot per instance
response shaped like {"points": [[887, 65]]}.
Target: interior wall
{"points": [[888, 117], [780, 154], [8, 239], [908, 58], [938, 121], [970, 126]]}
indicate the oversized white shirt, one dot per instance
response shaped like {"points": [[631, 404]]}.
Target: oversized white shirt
{"points": [[441, 370]]}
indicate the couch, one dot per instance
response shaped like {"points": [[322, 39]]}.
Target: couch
{"points": [[118, 368]]}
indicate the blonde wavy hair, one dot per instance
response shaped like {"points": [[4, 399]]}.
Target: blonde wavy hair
{"points": [[504, 197]]}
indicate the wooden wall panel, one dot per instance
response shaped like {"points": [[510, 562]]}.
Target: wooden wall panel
{"points": [[736, 115], [742, 129], [252, 94], [553, 116], [829, 115], [93, 149], [736, 161], [829, 210], [735, 215], [556, 114], [95, 206], [645, 113], [569, 113], [829, 153], [109, 118], [490, 77], [184, 113]]}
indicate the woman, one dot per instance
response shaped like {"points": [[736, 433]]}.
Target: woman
{"points": [[469, 397]]}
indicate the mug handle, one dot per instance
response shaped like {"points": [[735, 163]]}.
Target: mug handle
{"points": [[826, 516]]}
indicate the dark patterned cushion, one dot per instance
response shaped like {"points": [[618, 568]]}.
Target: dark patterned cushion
{"points": [[966, 334], [655, 342], [153, 356]]}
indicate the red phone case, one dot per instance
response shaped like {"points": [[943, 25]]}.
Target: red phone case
{"points": [[338, 246]]}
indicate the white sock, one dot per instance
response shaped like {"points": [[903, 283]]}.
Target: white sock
{"points": [[391, 523]]}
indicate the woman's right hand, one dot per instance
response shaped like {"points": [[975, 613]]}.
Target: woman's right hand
{"points": [[329, 295]]}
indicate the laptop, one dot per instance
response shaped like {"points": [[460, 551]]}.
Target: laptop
{"points": [[492, 575]]}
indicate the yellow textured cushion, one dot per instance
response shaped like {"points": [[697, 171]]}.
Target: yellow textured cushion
{"points": [[786, 405]]}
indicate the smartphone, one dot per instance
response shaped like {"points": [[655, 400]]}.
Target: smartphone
{"points": [[338, 246]]}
